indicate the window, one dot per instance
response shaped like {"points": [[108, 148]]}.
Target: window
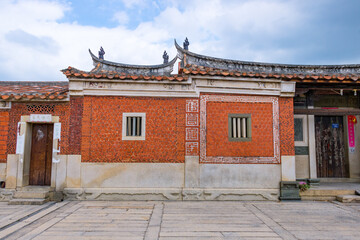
{"points": [[133, 126], [298, 127], [239, 127], [300, 130]]}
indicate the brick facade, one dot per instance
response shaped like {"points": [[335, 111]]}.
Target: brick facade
{"points": [[4, 127], [92, 126], [287, 126], [215, 146], [55, 109], [102, 130], [217, 141], [76, 113]]}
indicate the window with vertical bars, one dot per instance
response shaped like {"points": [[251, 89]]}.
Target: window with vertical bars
{"points": [[239, 127], [133, 126]]}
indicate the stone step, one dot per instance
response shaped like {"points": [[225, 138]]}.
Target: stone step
{"points": [[324, 194], [348, 198], [27, 201], [31, 194]]}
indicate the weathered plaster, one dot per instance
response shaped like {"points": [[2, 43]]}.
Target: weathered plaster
{"points": [[192, 171], [238, 176], [288, 168], [73, 169], [132, 175], [60, 175], [312, 146], [11, 171], [302, 166], [2, 171]]}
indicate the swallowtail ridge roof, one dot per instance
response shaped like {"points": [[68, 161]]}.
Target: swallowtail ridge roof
{"points": [[196, 64], [112, 70], [147, 70]]}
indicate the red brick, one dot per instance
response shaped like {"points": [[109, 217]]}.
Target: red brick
{"points": [[218, 143], [102, 130]]}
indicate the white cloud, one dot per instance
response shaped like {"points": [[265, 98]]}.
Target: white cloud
{"points": [[121, 17], [133, 3], [34, 45]]}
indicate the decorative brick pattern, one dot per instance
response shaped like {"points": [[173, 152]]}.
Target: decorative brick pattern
{"points": [[4, 127], [214, 145], [102, 130], [192, 134], [76, 113], [287, 126], [192, 119], [192, 148], [40, 108], [192, 127], [60, 109], [192, 105]]}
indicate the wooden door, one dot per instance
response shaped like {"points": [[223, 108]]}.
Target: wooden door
{"points": [[330, 153], [41, 154]]}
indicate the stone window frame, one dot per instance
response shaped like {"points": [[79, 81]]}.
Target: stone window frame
{"points": [[248, 127], [5, 105], [274, 159], [304, 142], [143, 125]]}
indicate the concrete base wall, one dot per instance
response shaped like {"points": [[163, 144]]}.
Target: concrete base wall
{"points": [[2, 171], [167, 181], [248, 176], [302, 166], [132, 175], [156, 181]]}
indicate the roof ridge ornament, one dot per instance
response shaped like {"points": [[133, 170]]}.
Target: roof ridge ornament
{"points": [[165, 57], [102, 66], [186, 44], [101, 53]]}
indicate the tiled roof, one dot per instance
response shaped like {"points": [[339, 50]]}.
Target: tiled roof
{"points": [[306, 78], [146, 70], [12, 91], [193, 63], [73, 72]]}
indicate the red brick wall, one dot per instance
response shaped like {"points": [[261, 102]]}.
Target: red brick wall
{"points": [[286, 126], [102, 130], [218, 143], [4, 127], [56, 109], [76, 114]]}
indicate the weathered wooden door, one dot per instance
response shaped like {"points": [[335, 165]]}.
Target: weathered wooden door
{"points": [[330, 153], [41, 154]]}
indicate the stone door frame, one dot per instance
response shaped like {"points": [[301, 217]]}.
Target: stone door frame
{"points": [[23, 146]]}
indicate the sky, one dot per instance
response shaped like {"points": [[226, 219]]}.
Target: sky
{"points": [[38, 38]]}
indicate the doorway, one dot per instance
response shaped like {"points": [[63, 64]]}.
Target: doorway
{"points": [[330, 147], [41, 154]]}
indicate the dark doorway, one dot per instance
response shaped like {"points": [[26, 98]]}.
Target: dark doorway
{"points": [[41, 154], [330, 145]]}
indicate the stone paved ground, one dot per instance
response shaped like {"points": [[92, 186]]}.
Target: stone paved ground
{"points": [[181, 220]]}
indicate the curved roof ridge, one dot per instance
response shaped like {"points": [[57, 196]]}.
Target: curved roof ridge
{"points": [[189, 57], [159, 69]]}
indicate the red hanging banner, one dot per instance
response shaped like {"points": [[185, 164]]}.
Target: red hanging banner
{"points": [[351, 132]]}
